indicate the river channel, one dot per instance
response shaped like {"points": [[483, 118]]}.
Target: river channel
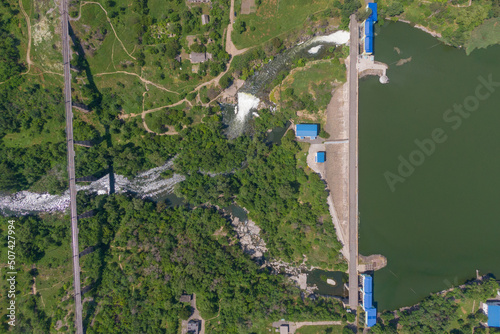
{"points": [[439, 221]]}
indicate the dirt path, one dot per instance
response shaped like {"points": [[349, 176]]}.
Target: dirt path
{"points": [[230, 48], [463, 6], [143, 115], [146, 81], [107, 18], [28, 51], [131, 115]]}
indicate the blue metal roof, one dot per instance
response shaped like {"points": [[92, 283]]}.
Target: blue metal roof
{"points": [[307, 130], [320, 157], [367, 284], [371, 317], [369, 44], [369, 27], [373, 7], [367, 300], [493, 315]]}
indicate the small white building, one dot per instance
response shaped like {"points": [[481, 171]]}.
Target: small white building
{"points": [[199, 57], [284, 329], [205, 19]]}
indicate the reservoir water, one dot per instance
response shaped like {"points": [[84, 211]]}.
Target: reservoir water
{"points": [[438, 219]]}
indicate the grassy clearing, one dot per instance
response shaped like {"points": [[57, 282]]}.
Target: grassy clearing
{"points": [[103, 55], [302, 155], [316, 80], [156, 121], [274, 17], [129, 90], [53, 131], [45, 34], [320, 330], [485, 35], [308, 90]]}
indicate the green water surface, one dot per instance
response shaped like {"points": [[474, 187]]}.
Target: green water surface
{"points": [[443, 222]]}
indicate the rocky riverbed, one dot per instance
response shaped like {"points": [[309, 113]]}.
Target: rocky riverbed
{"points": [[249, 235], [147, 184]]}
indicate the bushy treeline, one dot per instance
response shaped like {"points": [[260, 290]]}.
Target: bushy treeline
{"points": [[157, 254], [205, 148], [443, 313], [34, 237], [266, 180], [147, 256], [455, 20]]}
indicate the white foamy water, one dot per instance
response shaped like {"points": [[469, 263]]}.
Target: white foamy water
{"points": [[246, 102], [315, 49], [338, 37], [146, 184]]}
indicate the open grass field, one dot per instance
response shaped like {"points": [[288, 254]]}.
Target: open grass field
{"points": [[317, 80], [51, 132], [320, 330], [45, 34], [274, 17], [308, 90], [104, 55]]}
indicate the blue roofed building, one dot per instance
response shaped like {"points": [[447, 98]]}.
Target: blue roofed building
{"points": [[373, 7], [367, 291], [320, 157], [492, 309], [371, 317], [368, 34], [368, 48], [369, 27], [307, 130]]}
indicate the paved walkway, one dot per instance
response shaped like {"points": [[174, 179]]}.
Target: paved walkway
{"points": [[293, 326], [352, 75]]}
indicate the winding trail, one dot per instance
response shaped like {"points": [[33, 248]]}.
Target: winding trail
{"points": [[107, 18], [28, 24], [146, 81]]}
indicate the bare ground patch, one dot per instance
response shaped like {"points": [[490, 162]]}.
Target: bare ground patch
{"points": [[248, 7]]}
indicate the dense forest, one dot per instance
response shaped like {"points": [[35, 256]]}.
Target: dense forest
{"points": [[287, 201], [145, 257]]}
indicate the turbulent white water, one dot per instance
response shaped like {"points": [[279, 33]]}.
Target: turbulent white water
{"points": [[315, 49], [338, 37], [146, 184], [246, 102]]}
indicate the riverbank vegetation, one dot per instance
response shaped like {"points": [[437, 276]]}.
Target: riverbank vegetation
{"points": [[307, 90], [460, 23], [455, 311]]}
